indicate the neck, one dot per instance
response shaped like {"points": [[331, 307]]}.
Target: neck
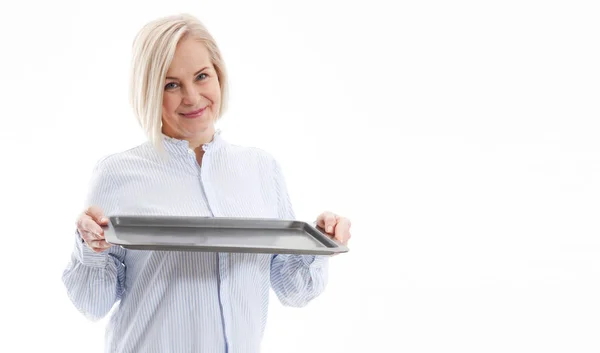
{"points": [[196, 142]]}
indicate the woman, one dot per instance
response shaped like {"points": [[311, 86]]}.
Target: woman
{"points": [[186, 301]]}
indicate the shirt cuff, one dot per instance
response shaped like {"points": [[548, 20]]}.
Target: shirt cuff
{"points": [[87, 256]]}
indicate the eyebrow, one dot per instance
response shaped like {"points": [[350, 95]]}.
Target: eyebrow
{"points": [[196, 74]]}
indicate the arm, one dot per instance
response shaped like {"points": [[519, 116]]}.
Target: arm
{"points": [[296, 279], [95, 281]]}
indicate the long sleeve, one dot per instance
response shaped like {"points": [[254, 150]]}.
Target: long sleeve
{"points": [[296, 279], [95, 281]]}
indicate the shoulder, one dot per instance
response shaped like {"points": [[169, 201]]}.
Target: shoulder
{"points": [[106, 179], [117, 162]]}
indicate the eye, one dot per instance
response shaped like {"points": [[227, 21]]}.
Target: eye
{"points": [[202, 76], [171, 85]]}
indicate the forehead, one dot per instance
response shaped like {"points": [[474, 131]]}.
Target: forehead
{"points": [[190, 56]]}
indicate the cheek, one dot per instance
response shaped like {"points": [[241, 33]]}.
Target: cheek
{"points": [[170, 104], [215, 94]]}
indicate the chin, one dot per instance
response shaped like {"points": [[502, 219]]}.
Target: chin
{"points": [[200, 127]]}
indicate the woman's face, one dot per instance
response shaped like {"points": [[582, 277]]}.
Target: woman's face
{"points": [[192, 94]]}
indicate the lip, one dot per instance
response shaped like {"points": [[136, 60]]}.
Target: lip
{"points": [[194, 114]]}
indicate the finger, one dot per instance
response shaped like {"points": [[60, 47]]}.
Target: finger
{"points": [[342, 230], [99, 244], [91, 236], [96, 214], [98, 248], [327, 221], [322, 217], [87, 225], [330, 224]]}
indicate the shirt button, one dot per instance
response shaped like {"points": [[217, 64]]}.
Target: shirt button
{"points": [[190, 151], [204, 148]]}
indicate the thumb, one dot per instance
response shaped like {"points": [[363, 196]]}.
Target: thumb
{"points": [[97, 214]]}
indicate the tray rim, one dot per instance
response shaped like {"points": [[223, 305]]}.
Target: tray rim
{"points": [[335, 248]]}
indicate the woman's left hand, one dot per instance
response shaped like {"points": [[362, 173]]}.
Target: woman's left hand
{"points": [[336, 226]]}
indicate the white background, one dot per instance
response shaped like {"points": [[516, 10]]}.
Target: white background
{"points": [[460, 137]]}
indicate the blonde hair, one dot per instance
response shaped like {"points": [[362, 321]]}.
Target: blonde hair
{"points": [[153, 50]]}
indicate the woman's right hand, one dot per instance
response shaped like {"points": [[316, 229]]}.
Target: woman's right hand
{"points": [[89, 225]]}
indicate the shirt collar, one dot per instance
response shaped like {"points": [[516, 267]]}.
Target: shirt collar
{"points": [[179, 146]]}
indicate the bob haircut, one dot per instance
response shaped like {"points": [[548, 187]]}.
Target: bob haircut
{"points": [[153, 50]]}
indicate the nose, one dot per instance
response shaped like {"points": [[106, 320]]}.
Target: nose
{"points": [[191, 96]]}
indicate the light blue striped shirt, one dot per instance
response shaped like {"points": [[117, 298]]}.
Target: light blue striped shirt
{"points": [[189, 301]]}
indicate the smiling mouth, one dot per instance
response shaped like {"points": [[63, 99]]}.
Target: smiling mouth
{"points": [[194, 114]]}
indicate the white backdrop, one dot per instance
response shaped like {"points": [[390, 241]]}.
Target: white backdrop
{"points": [[460, 137]]}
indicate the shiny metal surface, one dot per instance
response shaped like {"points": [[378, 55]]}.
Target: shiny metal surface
{"points": [[246, 235]]}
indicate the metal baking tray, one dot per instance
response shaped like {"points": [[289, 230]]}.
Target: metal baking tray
{"points": [[219, 234]]}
